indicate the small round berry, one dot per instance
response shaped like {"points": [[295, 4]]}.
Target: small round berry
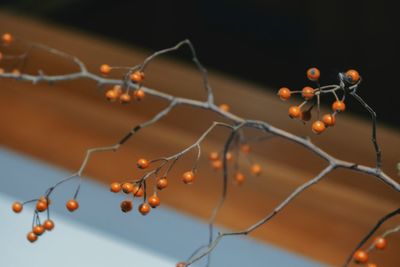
{"points": [[318, 127], [127, 188], [126, 206], [17, 207], [137, 77], [105, 69], [217, 164], [125, 98], [31, 237], [305, 115], [213, 155], [338, 106], [7, 38], [255, 169], [143, 163], [284, 93], [16, 72], [372, 265], [224, 107], [380, 243], [181, 264], [352, 76], [329, 120], [294, 112], [38, 230], [360, 256], [313, 74], [111, 95], [72, 205], [229, 156], [48, 225], [245, 148], [307, 92], [41, 205], [154, 201], [162, 183], [144, 208], [1, 70], [188, 177], [115, 187], [240, 178], [138, 190], [139, 94], [117, 89]]}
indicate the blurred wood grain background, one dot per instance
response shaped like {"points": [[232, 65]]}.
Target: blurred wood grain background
{"points": [[57, 123]]}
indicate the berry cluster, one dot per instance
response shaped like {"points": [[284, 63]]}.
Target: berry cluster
{"points": [[312, 96], [362, 256], [122, 92]]}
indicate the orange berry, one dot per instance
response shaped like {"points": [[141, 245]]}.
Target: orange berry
{"points": [[313, 74], [7, 38], [318, 127], [213, 156], [352, 76], [31, 237], [294, 112], [239, 178], [115, 187], [255, 169], [372, 265], [126, 206], [224, 107], [38, 230], [125, 98], [217, 164], [48, 225], [137, 77], [138, 191], [16, 72], [181, 264], [17, 207], [1, 70], [144, 208], [139, 94], [229, 156], [154, 201], [380, 243], [307, 92], [284, 93], [127, 188], [41, 205], [360, 256], [117, 89], [188, 177], [162, 183], [111, 95], [329, 120], [245, 148], [105, 69], [338, 106], [142, 163], [72, 205]]}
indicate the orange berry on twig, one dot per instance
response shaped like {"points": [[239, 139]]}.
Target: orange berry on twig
{"points": [[294, 112], [360, 256], [38, 230], [7, 38], [111, 95], [318, 127], [154, 201], [313, 74], [307, 92], [115, 187], [144, 208], [329, 119], [181, 264], [143, 163], [127, 188], [137, 76], [17, 207], [139, 94], [48, 225], [255, 169], [126, 206], [338, 106], [239, 178], [162, 183], [31, 237], [105, 69], [125, 98], [284, 93], [138, 190], [213, 155], [245, 148], [352, 76], [229, 156], [224, 107], [188, 177], [380, 243], [41, 205], [217, 164], [72, 205]]}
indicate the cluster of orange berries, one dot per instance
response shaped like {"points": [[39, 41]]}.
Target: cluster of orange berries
{"points": [[7, 39], [137, 190], [117, 93], [308, 93], [361, 256], [239, 177]]}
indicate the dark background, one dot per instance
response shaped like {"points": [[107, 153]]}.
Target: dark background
{"points": [[270, 43]]}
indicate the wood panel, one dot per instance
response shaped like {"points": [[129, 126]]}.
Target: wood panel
{"points": [[58, 123]]}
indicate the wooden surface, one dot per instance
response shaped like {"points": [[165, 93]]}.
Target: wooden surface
{"points": [[58, 123]]}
